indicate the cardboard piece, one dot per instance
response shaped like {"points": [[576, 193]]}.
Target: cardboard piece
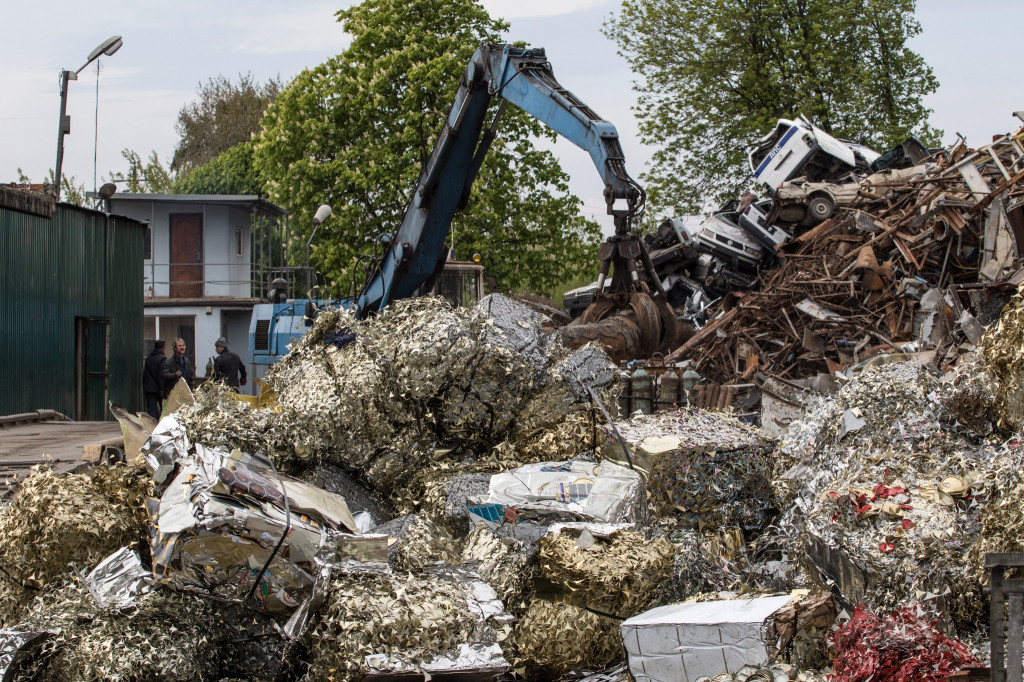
{"points": [[683, 642]]}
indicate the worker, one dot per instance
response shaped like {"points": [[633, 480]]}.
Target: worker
{"points": [[178, 367], [153, 380], [228, 366]]}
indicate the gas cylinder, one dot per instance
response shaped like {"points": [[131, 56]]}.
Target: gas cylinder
{"points": [[690, 380], [643, 391], [624, 396], [668, 391]]}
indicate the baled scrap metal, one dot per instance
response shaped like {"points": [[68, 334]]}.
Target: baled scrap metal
{"points": [[422, 384], [357, 496], [695, 571], [504, 563], [165, 636], [892, 509], [447, 498], [589, 577], [609, 569], [60, 519], [383, 623], [706, 468], [424, 542], [554, 638], [692, 641]]}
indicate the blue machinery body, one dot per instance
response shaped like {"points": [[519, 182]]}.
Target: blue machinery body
{"points": [[416, 253]]}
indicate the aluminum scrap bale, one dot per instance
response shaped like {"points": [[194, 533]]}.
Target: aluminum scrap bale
{"points": [[424, 542], [555, 638], [1001, 355], [62, 519], [707, 469], [423, 383], [506, 564], [410, 622], [603, 567], [166, 636], [358, 497], [695, 571], [447, 499]]}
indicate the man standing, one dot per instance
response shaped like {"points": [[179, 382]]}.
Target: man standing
{"points": [[178, 366], [228, 366], [153, 380]]}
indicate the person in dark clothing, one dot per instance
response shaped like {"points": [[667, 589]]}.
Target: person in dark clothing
{"points": [[228, 366], [153, 380], [178, 366]]}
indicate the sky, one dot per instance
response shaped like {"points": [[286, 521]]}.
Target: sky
{"points": [[171, 47]]}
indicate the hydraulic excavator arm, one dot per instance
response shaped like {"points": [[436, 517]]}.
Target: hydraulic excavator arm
{"points": [[416, 252]]}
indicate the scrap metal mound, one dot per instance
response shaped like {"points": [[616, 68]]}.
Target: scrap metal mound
{"points": [[883, 482], [914, 262], [421, 383]]}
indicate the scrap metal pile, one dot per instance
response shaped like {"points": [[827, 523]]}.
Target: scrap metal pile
{"points": [[425, 383], [911, 260], [440, 491]]}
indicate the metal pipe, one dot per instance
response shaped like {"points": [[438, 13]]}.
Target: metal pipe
{"points": [[29, 417]]}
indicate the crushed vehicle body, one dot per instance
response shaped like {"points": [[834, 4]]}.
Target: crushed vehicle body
{"points": [[799, 148]]}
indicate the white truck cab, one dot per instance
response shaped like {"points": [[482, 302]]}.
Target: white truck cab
{"points": [[798, 148]]}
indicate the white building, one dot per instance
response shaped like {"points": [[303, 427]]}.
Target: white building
{"points": [[208, 261]]}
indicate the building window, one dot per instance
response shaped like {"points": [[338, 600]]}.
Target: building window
{"points": [[238, 241], [148, 249]]}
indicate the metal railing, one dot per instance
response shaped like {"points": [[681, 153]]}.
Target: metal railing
{"points": [[257, 282]]}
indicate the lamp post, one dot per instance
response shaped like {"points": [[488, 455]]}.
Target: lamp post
{"points": [[107, 47], [322, 214]]}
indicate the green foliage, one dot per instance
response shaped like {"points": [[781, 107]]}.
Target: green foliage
{"points": [[223, 116], [230, 172], [355, 131], [716, 75], [71, 191], [143, 177]]}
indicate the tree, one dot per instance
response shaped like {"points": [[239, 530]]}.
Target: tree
{"points": [[230, 172], [716, 75], [355, 131], [71, 191], [143, 177], [223, 116]]}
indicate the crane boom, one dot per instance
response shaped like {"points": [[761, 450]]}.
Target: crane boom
{"points": [[523, 77]]}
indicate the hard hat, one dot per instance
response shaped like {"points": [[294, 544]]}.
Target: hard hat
{"points": [[221, 343]]}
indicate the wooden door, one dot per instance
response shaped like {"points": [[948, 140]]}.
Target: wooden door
{"points": [[186, 255]]}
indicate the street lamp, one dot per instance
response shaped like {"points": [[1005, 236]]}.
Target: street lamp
{"points": [[107, 47], [322, 214]]}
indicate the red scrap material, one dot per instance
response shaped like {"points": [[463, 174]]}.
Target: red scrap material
{"points": [[904, 647]]}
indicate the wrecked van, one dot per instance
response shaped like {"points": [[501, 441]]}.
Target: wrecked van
{"points": [[799, 148]]}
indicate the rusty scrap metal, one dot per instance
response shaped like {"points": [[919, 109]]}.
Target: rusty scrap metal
{"points": [[852, 287]]}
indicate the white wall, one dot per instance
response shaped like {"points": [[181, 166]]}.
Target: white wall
{"points": [[225, 273]]}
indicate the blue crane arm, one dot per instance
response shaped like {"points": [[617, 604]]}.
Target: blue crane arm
{"points": [[417, 251]]}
